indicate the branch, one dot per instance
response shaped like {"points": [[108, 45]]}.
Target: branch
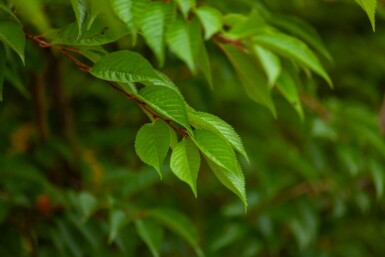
{"points": [[41, 41]]}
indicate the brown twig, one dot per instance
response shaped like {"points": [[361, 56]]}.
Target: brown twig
{"points": [[235, 42]]}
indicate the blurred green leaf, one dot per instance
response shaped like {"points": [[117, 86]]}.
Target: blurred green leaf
{"points": [[378, 177], [251, 77], [179, 224], [153, 27], [33, 12], [303, 30], [11, 34], [211, 20], [88, 204], [179, 40], [369, 7], [81, 12], [292, 48], [2, 70], [270, 64], [151, 233], [185, 6], [287, 86], [118, 219]]}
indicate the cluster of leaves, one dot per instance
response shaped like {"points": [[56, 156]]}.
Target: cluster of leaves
{"points": [[247, 41], [268, 54]]}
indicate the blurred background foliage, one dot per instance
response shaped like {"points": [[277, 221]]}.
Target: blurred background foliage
{"points": [[72, 185]]}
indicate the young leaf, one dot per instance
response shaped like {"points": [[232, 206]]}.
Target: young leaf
{"points": [[185, 6], [252, 79], [222, 161], [166, 102], [179, 41], [124, 66], [11, 34], [151, 233], [369, 7], [185, 162], [118, 219], [287, 86], [292, 48], [80, 9], [87, 204], [153, 27], [179, 224], [2, 70], [270, 64], [203, 120], [211, 20], [152, 142]]}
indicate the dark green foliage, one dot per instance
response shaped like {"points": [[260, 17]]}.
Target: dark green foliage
{"points": [[109, 95]]}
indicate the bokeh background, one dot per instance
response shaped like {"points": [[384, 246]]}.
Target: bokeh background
{"points": [[315, 186]]}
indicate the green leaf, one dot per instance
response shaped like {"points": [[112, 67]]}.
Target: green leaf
{"points": [[252, 79], [81, 13], [185, 162], [124, 10], [118, 219], [166, 102], [369, 7], [93, 53], [222, 161], [203, 120], [98, 34], [2, 70], [124, 66], [130, 12], [33, 11], [378, 177], [153, 27], [151, 234], [173, 138], [270, 64], [151, 144], [179, 40], [87, 204], [287, 86], [185, 6], [11, 34], [211, 20], [292, 48], [179, 224], [303, 30], [203, 63]]}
